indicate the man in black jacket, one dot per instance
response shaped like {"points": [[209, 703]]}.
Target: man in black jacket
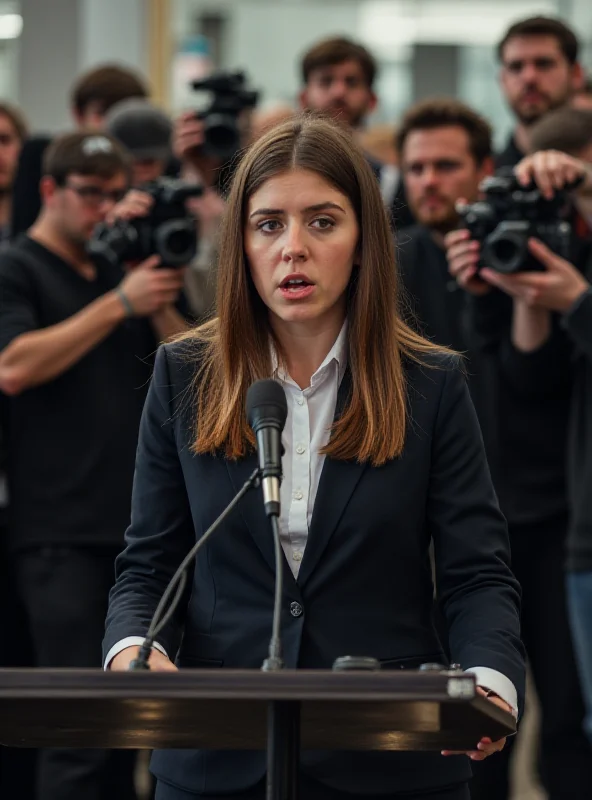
{"points": [[445, 151]]}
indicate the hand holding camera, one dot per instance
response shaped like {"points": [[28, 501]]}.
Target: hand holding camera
{"points": [[229, 96], [556, 288], [463, 254], [511, 212], [188, 135], [516, 238], [154, 221], [135, 204], [553, 171], [147, 289]]}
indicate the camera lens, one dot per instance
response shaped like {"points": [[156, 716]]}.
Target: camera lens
{"points": [[505, 250], [176, 242], [112, 245]]}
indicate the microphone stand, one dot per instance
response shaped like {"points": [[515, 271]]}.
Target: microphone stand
{"points": [[274, 661], [179, 580], [283, 716]]}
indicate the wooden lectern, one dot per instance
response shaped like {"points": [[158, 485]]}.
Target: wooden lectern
{"points": [[248, 709]]}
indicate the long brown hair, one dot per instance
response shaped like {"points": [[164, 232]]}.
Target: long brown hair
{"points": [[233, 349]]}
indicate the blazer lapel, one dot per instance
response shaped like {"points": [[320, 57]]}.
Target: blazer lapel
{"points": [[337, 483], [251, 506]]}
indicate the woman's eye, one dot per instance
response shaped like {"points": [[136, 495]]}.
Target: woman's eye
{"points": [[269, 225], [323, 223]]}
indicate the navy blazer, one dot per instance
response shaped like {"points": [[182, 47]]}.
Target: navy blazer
{"points": [[365, 582]]}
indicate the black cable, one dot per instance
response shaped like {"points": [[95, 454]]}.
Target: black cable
{"points": [[275, 661], [175, 602], [179, 579]]}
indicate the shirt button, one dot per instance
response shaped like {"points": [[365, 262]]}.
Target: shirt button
{"points": [[297, 555], [300, 449], [296, 609], [298, 495], [300, 401]]}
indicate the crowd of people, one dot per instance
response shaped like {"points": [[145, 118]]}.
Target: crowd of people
{"points": [[78, 338]]}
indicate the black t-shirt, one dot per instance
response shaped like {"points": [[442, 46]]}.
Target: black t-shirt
{"points": [[71, 442]]}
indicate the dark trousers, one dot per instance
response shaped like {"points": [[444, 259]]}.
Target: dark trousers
{"points": [[65, 593], [565, 756], [311, 790]]}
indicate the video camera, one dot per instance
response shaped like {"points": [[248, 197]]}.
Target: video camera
{"points": [[168, 230], [509, 215], [230, 97]]}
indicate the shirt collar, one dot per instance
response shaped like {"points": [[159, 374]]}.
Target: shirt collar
{"points": [[338, 354]]}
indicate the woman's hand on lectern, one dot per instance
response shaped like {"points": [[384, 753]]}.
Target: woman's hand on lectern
{"points": [[157, 661], [485, 747]]}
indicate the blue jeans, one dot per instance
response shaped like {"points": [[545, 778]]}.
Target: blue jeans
{"points": [[579, 588]]}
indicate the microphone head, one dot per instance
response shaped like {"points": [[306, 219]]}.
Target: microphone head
{"points": [[266, 405]]}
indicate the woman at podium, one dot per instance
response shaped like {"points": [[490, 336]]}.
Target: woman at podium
{"points": [[383, 457]]}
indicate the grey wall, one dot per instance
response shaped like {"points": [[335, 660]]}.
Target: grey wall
{"points": [[435, 70], [48, 61], [61, 38]]}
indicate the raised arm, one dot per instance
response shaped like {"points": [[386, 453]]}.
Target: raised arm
{"points": [[31, 356]]}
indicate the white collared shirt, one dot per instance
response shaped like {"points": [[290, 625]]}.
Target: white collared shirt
{"points": [[306, 432]]}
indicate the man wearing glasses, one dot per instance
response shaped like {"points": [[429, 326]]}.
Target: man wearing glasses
{"points": [[76, 343]]}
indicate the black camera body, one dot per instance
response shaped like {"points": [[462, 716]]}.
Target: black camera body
{"points": [[230, 97], [508, 216], [168, 230]]}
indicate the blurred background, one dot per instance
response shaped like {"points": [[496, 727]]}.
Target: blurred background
{"points": [[424, 47]]}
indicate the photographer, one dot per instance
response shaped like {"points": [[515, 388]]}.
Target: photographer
{"points": [[157, 148], [76, 348], [561, 292], [445, 151], [528, 465]]}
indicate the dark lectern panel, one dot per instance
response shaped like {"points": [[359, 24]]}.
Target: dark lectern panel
{"points": [[226, 709]]}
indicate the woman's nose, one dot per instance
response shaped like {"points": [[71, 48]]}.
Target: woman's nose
{"points": [[295, 249]]}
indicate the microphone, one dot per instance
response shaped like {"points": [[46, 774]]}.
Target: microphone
{"points": [[267, 410]]}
